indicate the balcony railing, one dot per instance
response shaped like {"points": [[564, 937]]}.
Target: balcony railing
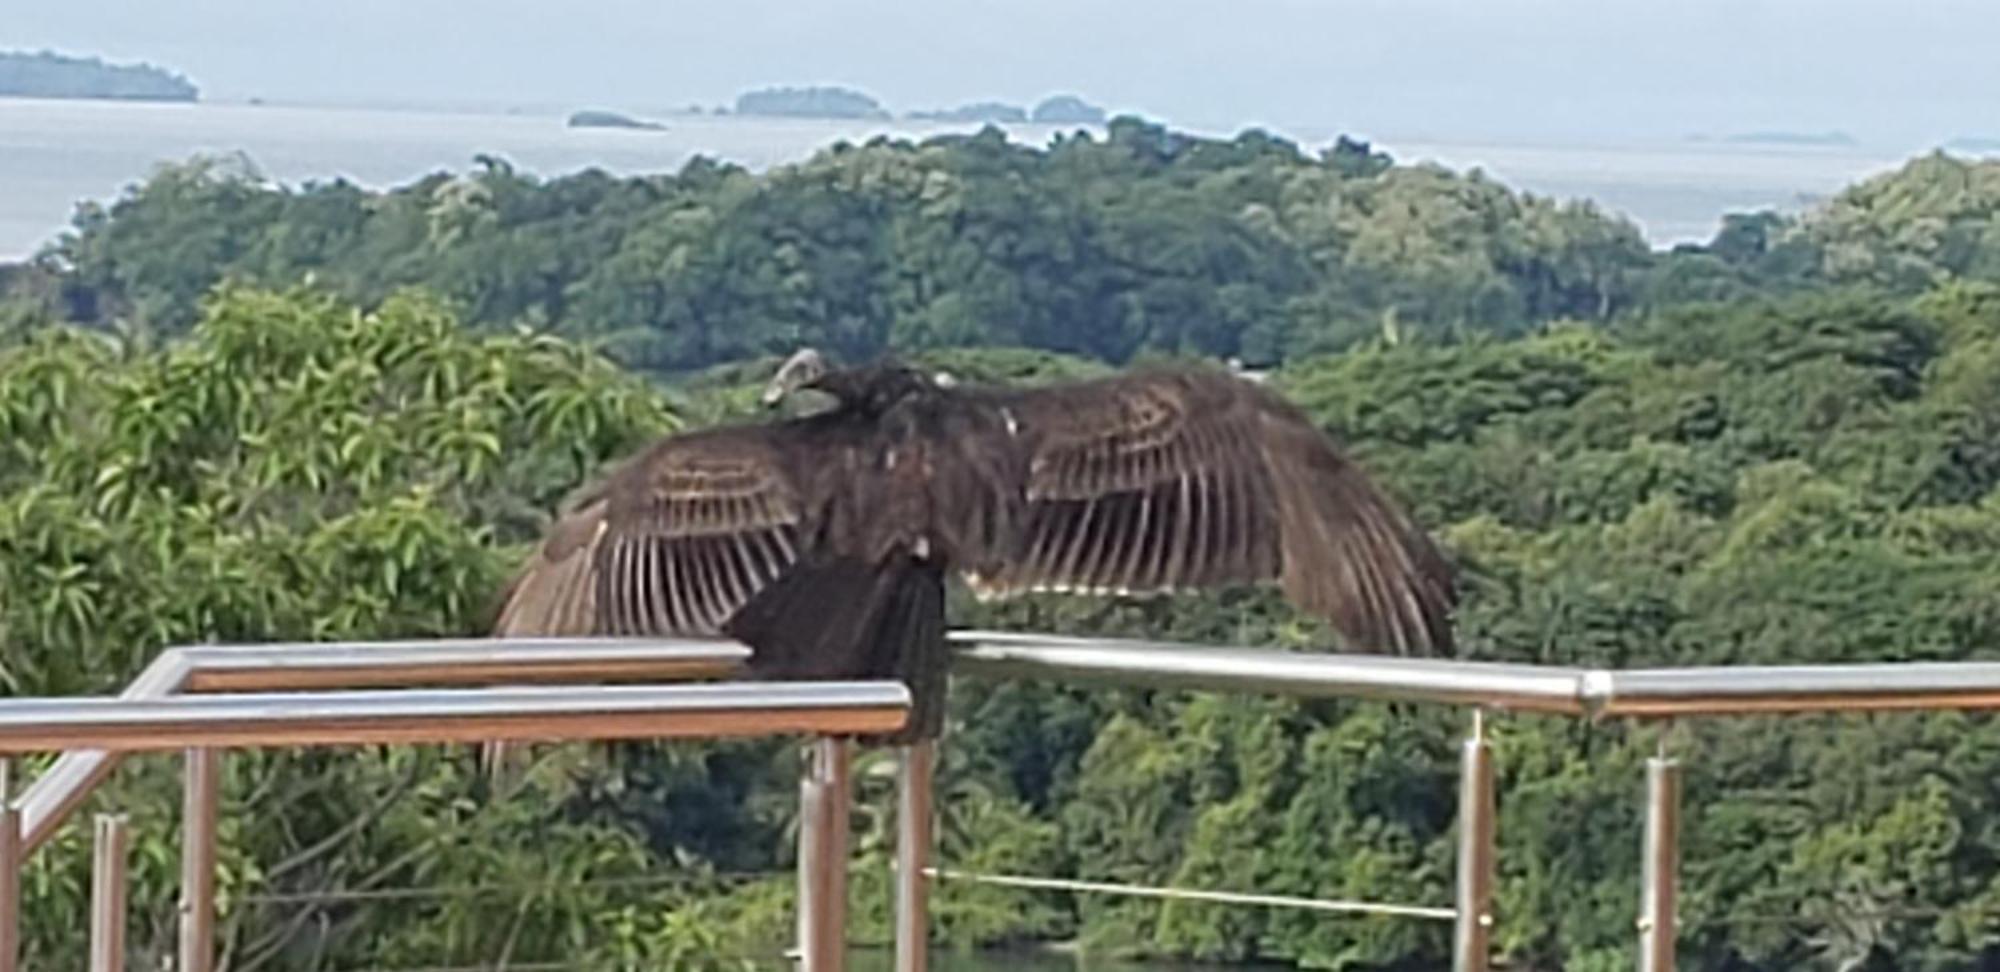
{"points": [[284, 695]]}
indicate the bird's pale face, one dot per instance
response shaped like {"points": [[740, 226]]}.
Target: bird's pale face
{"points": [[803, 369], [873, 389]]}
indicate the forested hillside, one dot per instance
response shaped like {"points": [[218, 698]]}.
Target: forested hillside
{"points": [[1782, 446], [1146, 240]]}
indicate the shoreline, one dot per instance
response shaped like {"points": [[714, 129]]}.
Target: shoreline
{"points": [[1674, 191]]}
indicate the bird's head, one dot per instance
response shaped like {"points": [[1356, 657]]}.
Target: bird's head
{"points": [[875, 387], [803, 369]]}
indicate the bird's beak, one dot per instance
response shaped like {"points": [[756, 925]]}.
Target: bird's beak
{"points": [[799, 371]]}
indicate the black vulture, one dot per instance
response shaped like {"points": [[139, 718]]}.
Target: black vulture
{"points": [[824, 541]]}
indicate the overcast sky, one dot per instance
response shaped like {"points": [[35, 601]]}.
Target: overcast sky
{"points": [[1899, 74]]}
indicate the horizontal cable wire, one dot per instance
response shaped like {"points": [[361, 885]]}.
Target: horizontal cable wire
{"points": [[1002, 880], [1190, 894]]}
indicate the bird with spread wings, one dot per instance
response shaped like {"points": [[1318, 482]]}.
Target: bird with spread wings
{"points": [[824, 541]]}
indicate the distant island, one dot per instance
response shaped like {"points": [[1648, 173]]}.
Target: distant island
{"points": [[1974, 143], [833, 101], [595, 118], [1791, 139], [50, 75], [1068, 110], [814, 102], [981, 111]]}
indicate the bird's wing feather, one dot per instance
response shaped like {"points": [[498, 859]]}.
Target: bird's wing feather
{"points": [[672, 542], [1142, 482], [1171, 479]]}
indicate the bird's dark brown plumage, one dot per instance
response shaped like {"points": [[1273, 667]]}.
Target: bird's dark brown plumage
{"points": [[823, 542]]}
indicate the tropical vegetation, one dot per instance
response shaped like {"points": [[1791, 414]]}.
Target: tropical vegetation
{"points": [[235, 411]]}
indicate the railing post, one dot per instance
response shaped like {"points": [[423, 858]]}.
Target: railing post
{"points": [[913, 856], [823, 797], [198, 811], [1474, 924], [11, 861], [1659, 888], [107, 895]]}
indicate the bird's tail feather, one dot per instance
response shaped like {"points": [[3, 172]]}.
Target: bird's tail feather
{"points": [[913, 628], [844, 618]]}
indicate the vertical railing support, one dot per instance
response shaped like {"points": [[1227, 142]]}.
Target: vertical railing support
{"points": [[203, 774], [913, 856], [1473, 930], [107, 895], [1659, 872], [823, 799], [11, 861]]}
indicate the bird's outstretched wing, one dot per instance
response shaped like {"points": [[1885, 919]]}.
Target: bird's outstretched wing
{"points": [[672, 542], [1169, 479]]}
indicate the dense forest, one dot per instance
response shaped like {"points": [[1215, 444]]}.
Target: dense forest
{"points": [[237, 411], [1145, 240]]}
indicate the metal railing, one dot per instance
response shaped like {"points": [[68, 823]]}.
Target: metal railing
{"points": [[203, 724], [370, 664], [1593, 693], [1596, 693], [148, 716]]}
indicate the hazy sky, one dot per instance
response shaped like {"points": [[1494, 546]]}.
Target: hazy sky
{"points": [[1901, 74]]}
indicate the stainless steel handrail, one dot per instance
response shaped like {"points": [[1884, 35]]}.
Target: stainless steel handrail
{"points": [[829, 710], [1777, 689], [1594, 693], [451, 715], [1267, 671], [58, 792], [1598, 693]]}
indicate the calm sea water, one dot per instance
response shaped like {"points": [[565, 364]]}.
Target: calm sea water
{"points": [[56, 153]]}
